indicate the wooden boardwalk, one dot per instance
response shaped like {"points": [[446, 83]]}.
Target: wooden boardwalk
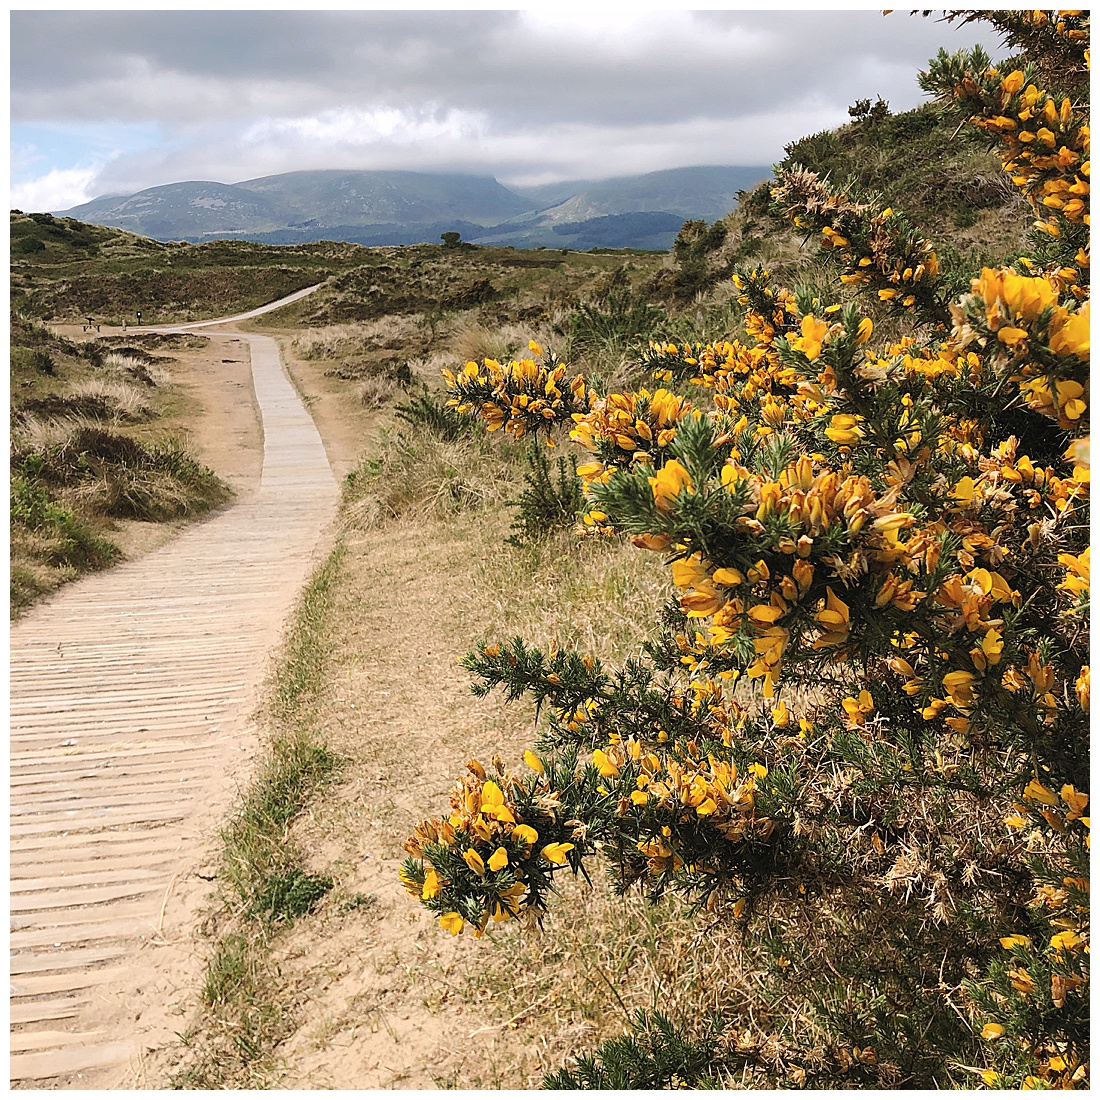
{"points": [[131, 695]]}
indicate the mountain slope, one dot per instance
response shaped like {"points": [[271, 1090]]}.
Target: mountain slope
{"points": [[708, 192], [385, 207], [178, 210], [333, 197]]}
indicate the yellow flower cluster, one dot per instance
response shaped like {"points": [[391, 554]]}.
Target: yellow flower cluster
{"points": [[481, 856], [1062, 958], [520, 396], [760, 598], [971, 600], [1045, 146], [880, 252], [728, 364], [683, 790], [1023, 315], [623, 428], [894, 276], [770, 311]]}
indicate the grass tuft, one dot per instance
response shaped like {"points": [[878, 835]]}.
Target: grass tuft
{"points": [[260, 874], [416, 472], [289, 894]]}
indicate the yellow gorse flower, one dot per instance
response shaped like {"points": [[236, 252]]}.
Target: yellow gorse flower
{"points": [[556, 853], [451, 922], [671, 480]]}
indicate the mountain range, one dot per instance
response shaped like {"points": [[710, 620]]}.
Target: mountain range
{"points": [[391, 207]]}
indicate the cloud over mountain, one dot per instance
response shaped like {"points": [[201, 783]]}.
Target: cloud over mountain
{"points": [[529, 96]]}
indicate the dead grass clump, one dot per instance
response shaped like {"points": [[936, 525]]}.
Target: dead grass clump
{"points": [[375, 392], [428, 370], [418, 473], [350, 339], [474, 341], [122, 401], [580, 979], [477, 341], [137, 368]]}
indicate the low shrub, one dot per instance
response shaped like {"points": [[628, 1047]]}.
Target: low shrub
{"points": [[546, 505], [654, 1055], [114, 475], [607, 328], [423, 412], [49, 544]]}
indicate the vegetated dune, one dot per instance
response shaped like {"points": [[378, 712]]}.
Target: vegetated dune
{"points": [[350, 984]]}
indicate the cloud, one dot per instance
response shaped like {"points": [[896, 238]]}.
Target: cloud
{"points": [[549, 93], [58, 189], [354, 127]]}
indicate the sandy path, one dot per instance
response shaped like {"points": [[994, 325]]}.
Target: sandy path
{"points": [[131, 693]]}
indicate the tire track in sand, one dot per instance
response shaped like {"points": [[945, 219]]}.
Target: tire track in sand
{"points": [[131, 693]]}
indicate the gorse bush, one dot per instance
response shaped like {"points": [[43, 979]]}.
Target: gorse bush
{"points": [[859, 734], [609, 326], [425, 412], [655, 1056], [547, 503]]}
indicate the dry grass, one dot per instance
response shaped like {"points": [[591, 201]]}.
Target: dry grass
{"points": [[428, 369], [122, 401], [100, 472], [592, 594], [477, 341], [578, 981], [418, 474], [346, 340], [130, 366], [375, 392]]}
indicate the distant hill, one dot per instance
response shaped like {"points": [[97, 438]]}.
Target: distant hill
{"points": [[303, 200], [181, 211], [382, 208], [690, 193]]}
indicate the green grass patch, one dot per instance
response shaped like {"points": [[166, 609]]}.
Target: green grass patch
{"points": [[262, 882], [289, 894]]}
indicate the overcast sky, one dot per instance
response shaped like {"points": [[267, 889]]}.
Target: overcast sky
{"points": [[110, 102]]}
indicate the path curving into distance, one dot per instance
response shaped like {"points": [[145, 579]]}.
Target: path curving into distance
{"points": [[131, 695]]}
